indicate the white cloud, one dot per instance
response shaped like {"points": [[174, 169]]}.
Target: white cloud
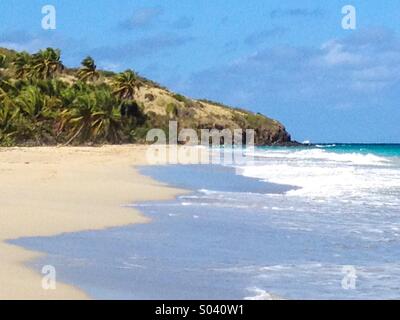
{"points": [[334, 53], [142, 18], [358, 71]]}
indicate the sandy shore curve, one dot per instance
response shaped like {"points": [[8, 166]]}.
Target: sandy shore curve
{"points": [[47, 191]]}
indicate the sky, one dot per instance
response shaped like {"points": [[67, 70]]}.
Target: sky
{"points": [[290, 60]]}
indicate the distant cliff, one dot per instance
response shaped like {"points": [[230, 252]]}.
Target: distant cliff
{"points": [[43, 102]]}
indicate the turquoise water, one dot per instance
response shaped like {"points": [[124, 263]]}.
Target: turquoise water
{"points": [[386, 150], [291, 223]]}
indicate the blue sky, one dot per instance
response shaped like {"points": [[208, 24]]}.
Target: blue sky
{"points": [[288, 59]]}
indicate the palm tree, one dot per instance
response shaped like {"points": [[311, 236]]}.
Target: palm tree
{"points": [[24, 118], [46, 63], [22, 64], [88, 70], [94, 117], [32, 104], [79, 119], [107, 120], [125, 85]]}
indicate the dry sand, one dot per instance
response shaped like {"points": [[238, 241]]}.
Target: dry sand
{"points": [[50, 190]]}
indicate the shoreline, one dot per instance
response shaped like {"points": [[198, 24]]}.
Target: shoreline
{"points": [[48, 191]]}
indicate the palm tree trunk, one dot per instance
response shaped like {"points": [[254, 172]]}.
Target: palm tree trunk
{"points": [[74, 136]]}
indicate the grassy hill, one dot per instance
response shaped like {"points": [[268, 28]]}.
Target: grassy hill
{"points": [[42, 103]]}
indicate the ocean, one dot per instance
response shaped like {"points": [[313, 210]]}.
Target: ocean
{"points": [[316, 222]]}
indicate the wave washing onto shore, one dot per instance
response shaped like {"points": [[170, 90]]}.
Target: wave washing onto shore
{"points": [[353, 186], [327, 176]]}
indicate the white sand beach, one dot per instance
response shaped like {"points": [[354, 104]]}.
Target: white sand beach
{"points": [[52, 190]]}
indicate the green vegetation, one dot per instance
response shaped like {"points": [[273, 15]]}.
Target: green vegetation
{"points": [[126, 84], [88, 70], [180, 97], [44, 103], [172, 110], [38, 105]]}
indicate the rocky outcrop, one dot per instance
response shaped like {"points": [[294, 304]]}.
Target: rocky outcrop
{"points": [[204, 114], [272, 136]]}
